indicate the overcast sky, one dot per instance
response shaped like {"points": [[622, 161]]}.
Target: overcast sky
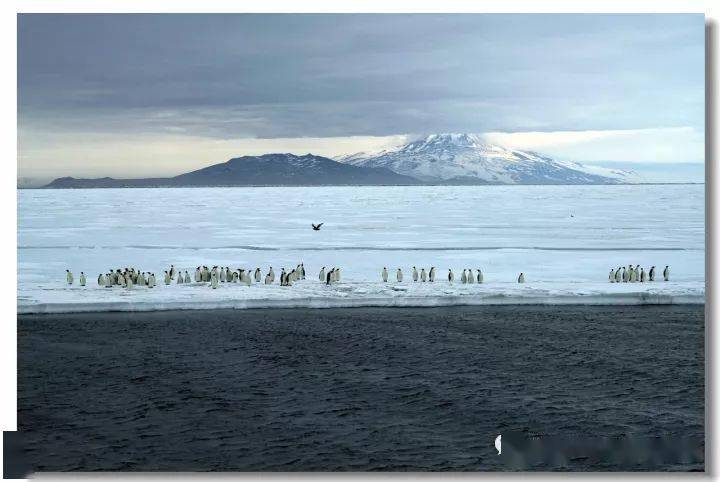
{"points": [[136, 95]]}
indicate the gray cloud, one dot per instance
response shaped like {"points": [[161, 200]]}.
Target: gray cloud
{"points": [[228, 76]]}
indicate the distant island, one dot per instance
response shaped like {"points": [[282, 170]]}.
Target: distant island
{"points": [[438, 159]]}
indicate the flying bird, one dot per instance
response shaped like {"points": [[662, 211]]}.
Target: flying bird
{"points": [[316, 227]]}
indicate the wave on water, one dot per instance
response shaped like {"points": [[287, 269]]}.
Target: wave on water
{"points": [[376, 248]]}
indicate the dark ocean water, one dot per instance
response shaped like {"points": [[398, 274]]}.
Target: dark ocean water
{"points": [[358, 389]]}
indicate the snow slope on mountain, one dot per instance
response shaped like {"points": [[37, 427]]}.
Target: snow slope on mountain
{"points": [[467, 158]]}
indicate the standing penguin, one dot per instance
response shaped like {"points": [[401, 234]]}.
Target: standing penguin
{"points": [[167, 278], [337, 274], [321, 276], [451, 276], [172, 271], [101, 280], [423, 275], [258, 276], [272, 275], [666, 273], [618, 275], [521, 278], [129, 282], [431, 275], [214, 280], [141, 279], [399, 275], [69, 277], [480, 277], [223, 275], [624, 275], [198, 275], [631, 274], [302, 271], [151, 280], [384, 275], [651, 275], [187, 277], [414, 274], [267, 279], [463, 277], [642, 275], [82, 278], [611, 276], [471, 276], [180, 279]]}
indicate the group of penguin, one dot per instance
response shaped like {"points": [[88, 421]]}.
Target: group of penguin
{"points": [[129, 277], [467, 275], [635, 274], [329, 277]]}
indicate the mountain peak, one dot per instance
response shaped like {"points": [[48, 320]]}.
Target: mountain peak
{"points": [[455, 157]]}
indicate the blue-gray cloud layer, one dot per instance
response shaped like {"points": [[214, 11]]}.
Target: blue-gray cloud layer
{"points": [[241, 75]]}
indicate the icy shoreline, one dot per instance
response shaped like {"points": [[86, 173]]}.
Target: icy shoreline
{"points": [[312, 294]]}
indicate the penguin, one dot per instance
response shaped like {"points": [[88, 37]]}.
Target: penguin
{"points": [[480, 277], [633, 274], [101, 280], [141, 279], [121, 281], [289, 278], [69, 277], [172, 271], [248, 278], [666, 273], [198, 275], [431, 275], [611, 276], [521, 278], [618, 275], [322, 274], [423, 275], [167, 278], [151, 280], [463, 278], [302, 270], [214, 280], [399, 275], [129, 282], [451, 276], [471, 277], [642, 275], [414, 274], [651, 275], [329, 277], [267, 279], [82, 278], [272, 275], [258, 275], [108, 281], [384, 274], [337, 275], [624, 275], [223, 275], [187, 277], [180, 279]]}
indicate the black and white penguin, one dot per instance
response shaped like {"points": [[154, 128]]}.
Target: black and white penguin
{"points": [[82, 278], [384, 274], [471, 276], [431, 275], [223, 275], [521, 278], [666, 273], [480, 277], [267, 279], [272, 275], [399, 275], [337, 275], [141, 279], [642, 275], [302, 271], [167, 278], [329, 277], [624, 275], [187, 277], [618, 275], [423, 275], [69, 277], [198, 275], [414, 274], [129, 282], [172, 271], [101, 280], [258, 275], [180, 279], [451, 276], [463, 277], [651, 275], [321, 276]]}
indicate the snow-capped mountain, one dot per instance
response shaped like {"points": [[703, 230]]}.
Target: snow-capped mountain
{"points": [[466, 158]]}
